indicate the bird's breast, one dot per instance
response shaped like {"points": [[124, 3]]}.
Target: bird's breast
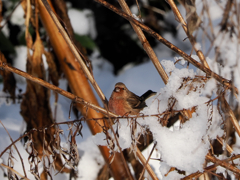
{"points": [[117, 106]]}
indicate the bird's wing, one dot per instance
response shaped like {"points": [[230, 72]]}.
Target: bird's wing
{"points": [[136, 102]]}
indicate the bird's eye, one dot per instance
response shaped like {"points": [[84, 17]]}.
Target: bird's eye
{"points": [[117, 89]]}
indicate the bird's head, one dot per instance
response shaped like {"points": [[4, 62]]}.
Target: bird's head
{"points": [[120, 89]]}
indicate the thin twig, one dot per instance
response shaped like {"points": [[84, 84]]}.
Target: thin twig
{"points": [[148, 167], [66, 94], [228, 148], [16, 149], [56, 89], [145, 43], [223, 164], [145, 165], [14, 171], [184, 26]]}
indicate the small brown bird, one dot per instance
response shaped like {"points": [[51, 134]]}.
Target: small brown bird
{"points": [[124, 102]]}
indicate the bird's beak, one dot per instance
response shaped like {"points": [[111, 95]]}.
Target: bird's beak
{"points": [[116, 89]]}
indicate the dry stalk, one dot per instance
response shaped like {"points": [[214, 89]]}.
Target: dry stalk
{"points": [[72, 97], [14, 171], [184, 26], [229, 113], [88, 74], [145, 43], [148, 167], [210, 73], [56, 89], [228, 148], [153, 176], [223, 164], [16, 149], [84, 68]]}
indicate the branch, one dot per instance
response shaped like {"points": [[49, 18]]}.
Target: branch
{"points": [[16, 149], [11, 169], [210, 73], [223, 164], [146, 165], [184, 26], [75, 52], [145, 43], [56, 89]]}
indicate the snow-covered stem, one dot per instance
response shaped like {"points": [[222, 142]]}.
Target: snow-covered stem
{"points": [[223, 164], [228, 148], [188, 58], [145, 43], [191, 38]]}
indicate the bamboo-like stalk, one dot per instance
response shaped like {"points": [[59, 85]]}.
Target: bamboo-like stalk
{"points": [[184, 26], [74, 51], [67, 54], [85, 69], [210, 73], [145, 43]]}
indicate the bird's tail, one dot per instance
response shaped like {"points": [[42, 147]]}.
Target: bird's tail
{"points": [[148, 94]]}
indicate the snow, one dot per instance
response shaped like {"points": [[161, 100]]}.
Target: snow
{"points": [[20, 62], [17, 17], [82, 22]]}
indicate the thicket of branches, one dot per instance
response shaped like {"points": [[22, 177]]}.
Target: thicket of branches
{"points": [[43, 135]]}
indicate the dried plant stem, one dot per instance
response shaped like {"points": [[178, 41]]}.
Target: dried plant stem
{"points": [[170, 45], [75, 52], [209, 168], [223, 164], [233, 119], [14, 171], [56, 89], [70, 96], [184, 26], [16, 149], [228, 148], [157, 65], [147, 166], [145, 43], [153, 176], [77, 78]]}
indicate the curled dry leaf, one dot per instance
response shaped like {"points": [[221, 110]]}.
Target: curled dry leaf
{"points": [[9, 82], [193, 20]]}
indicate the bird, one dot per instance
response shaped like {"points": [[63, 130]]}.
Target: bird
{"points": [[124, 102]]}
